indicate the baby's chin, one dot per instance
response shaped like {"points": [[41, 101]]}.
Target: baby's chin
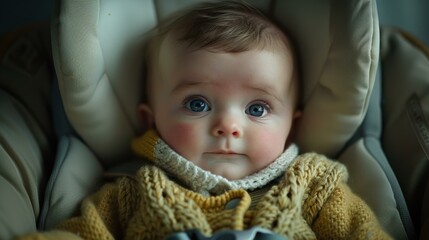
{"points": [[228, 170]]}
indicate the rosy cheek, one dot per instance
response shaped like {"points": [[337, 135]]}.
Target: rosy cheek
{"points": [[180, 137], [269, 146]]}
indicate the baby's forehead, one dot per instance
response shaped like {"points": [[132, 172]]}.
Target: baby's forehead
{"points": [[174, 55], [176, 59], [172, 47]]}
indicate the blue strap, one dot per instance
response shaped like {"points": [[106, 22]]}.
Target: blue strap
{"points": [[255, 233]]}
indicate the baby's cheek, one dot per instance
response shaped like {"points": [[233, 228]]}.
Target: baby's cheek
{"points": [[181, 138], [270, 145]]}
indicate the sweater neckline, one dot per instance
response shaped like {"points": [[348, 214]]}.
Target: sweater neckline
{"points": [[152, 147]]}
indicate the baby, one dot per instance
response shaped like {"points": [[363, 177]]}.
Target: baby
{"points": [[222, 97]]}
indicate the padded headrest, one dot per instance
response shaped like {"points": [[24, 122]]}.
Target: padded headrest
{"points": [[338, 45]]}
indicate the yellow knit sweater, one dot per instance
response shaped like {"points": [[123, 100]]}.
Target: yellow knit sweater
{"points": [[310, 201]]}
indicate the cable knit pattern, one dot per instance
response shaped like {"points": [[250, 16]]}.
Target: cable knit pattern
{"points": [[152, 147], [310, 201]]}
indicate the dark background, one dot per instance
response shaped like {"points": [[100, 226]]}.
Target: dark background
{"points": [[410, 15]]}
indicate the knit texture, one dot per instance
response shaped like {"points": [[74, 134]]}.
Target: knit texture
{"points": [[152, 147], [310, 201]]}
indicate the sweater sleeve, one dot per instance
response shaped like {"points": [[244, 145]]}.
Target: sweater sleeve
{"points": [[98, 219], [346, 216]]}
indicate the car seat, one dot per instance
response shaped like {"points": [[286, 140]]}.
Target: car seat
{"points": [[365, 95]]}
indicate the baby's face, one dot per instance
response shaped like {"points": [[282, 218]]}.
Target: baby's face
{"points": [[228, 113]]}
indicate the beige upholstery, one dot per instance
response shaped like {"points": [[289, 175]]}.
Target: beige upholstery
{"points": [[21, 169], [26, 134], [339, 47], [79, 175], [406, 113], [100, 100], [367, 179]]}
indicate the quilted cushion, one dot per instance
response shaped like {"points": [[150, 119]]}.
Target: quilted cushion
{"points": [[405, 62]]}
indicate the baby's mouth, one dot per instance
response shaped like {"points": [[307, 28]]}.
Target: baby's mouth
{"points": [[223, 152]]}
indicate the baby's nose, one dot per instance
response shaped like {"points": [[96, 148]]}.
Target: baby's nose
{"points": [[227, 127]]}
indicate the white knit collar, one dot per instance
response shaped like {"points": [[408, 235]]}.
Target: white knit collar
{"points": [[205, 182]]}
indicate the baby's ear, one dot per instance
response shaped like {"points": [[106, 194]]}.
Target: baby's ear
{"points": [[145, 116], [297, 115], [296, 121]]}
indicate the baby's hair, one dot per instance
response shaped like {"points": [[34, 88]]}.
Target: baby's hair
{"points": [[220, 26], [225, 26], [228, 26]]}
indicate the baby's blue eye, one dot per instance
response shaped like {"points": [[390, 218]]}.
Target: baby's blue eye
{"points": [[257, 110], [197, 105]]}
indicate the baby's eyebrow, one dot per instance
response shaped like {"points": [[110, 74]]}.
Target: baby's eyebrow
{"points": [[266, 90], [186, 83]]}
